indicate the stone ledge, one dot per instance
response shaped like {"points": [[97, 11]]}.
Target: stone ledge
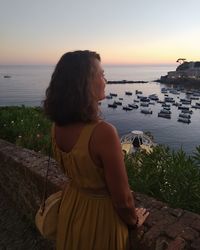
{"points": [[22, 173]]}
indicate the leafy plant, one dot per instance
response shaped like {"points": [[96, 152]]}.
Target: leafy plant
{"points": [[26, 127], [170, 176]]}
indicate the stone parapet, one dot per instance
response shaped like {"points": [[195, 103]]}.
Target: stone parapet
{"points": [[22, 174]]}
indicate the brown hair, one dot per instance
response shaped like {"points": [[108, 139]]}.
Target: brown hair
{"points": [[69, 96]]}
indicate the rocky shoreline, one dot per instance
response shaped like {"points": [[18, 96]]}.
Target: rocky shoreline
{"points": [[178, 81]]}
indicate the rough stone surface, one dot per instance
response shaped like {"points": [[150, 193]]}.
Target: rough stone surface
{"points": [[15, 231], [22, 174], [196, 244]]}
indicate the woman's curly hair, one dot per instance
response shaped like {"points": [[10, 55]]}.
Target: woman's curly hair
{"points": [[69, 96]]}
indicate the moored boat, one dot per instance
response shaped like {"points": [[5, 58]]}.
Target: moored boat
{"points": [[146, 111], [128, 93], [127, 108], [185, 115], [164, 115], [134, 106], [114, 106], [113, 94], [184, 120]]}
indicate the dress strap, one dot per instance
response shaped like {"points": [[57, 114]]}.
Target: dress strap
{"points": [[53, 136], [86, 134]]}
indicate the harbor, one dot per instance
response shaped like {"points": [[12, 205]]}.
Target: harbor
{"points": [[27, 85]]}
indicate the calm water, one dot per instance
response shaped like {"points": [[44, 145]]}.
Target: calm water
{"points": [[28, 83]]}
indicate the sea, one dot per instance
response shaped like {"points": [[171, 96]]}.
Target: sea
{"points": [[27, 84]]}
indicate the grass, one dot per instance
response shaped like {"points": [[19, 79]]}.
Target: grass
{"points": [[169, 176]]}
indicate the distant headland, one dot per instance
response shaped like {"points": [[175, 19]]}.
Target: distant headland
{"points": [[185, 73]]}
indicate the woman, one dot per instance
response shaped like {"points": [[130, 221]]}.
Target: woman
{"points": [[97, 207]]}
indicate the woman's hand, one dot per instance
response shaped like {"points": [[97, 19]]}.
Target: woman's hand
{"points": [[142, 214]]}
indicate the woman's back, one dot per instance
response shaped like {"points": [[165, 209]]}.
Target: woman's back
{"points": [[72, 148], [87, 218]]}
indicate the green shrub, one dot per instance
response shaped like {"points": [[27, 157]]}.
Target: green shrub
{"points": [[169, 176], [26, 127]]}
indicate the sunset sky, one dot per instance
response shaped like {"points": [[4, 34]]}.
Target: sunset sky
{"points": [[122, 31]]}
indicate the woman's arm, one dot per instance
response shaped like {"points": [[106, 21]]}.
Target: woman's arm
{"points": [[107, 148]]}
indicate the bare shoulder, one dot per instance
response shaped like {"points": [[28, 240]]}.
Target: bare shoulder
{"points": [[105, 130], [104, 137]]}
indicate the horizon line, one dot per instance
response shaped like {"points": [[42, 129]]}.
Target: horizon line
{"points": [[104, 64]]}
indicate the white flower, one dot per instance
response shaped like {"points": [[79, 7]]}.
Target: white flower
{"points": [[19, 136], [12, 122]]}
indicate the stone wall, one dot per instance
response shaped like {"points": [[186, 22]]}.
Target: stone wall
{"points": [[22, 174]]}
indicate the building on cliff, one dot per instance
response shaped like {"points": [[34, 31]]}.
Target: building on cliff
{"points": [[185, 72]]}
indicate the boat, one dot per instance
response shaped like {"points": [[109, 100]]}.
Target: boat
{"points": [[114, 106], [163, 90], [7, 76], [144, 99], [169, 99], [165, 111], [194, 98], [185, 115], [159, 101], [166, 105], [164, 115], [117, 103], [187, 111], [174, 91], [144, 104], [176, 104], [127, 108], [195, 106], [183, 107], [166, 108], [134, 106], [113, 94], [138, 92], [128, 93], [185, 100], [146, 111], [136, 140], [153, 97], [184, 120]]}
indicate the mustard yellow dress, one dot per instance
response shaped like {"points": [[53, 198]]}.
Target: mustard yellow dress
{"points": [[87, 218]]}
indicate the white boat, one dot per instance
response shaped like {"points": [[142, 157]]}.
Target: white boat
{"points": [[185, 115], [136, 140], [146, 111], [164, 115], [184, 120], [165, 111], [133, 105]]}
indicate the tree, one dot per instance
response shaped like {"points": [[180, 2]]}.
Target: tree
{"points": [[181, 60]]}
